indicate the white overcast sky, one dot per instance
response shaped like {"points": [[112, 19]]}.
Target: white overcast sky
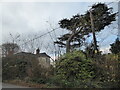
{"points": [[31, 17]]}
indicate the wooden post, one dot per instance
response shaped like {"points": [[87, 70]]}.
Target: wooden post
{"points": [[93, 31]]}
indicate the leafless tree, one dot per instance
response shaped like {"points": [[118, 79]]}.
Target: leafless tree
{"points": [[9, 49]]}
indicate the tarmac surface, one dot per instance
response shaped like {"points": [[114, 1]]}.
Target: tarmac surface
{"points": [[4, 85]]}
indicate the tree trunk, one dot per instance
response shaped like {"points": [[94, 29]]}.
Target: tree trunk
{"points": [[68, 46], [70, 39]]}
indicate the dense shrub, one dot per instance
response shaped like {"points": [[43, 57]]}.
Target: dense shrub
{"points": [[115, 47], [38, 80], [24, 68], [74, 70], [13, 68], [107, 70]]}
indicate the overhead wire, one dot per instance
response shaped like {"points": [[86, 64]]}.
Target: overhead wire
{"points": [[40, 36]]}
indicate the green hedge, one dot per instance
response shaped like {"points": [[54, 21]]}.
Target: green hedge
{"points": [[74, 70]]}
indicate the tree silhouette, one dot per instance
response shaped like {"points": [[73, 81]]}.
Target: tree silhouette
{"points": [[80, 25], [9, 49], [115, 47]]}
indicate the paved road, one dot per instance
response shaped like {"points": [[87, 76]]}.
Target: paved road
{"points": [[4, 85], [15, 87]]}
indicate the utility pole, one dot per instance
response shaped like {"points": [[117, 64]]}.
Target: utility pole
{"points": [[93, 31], [118, 20]]}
